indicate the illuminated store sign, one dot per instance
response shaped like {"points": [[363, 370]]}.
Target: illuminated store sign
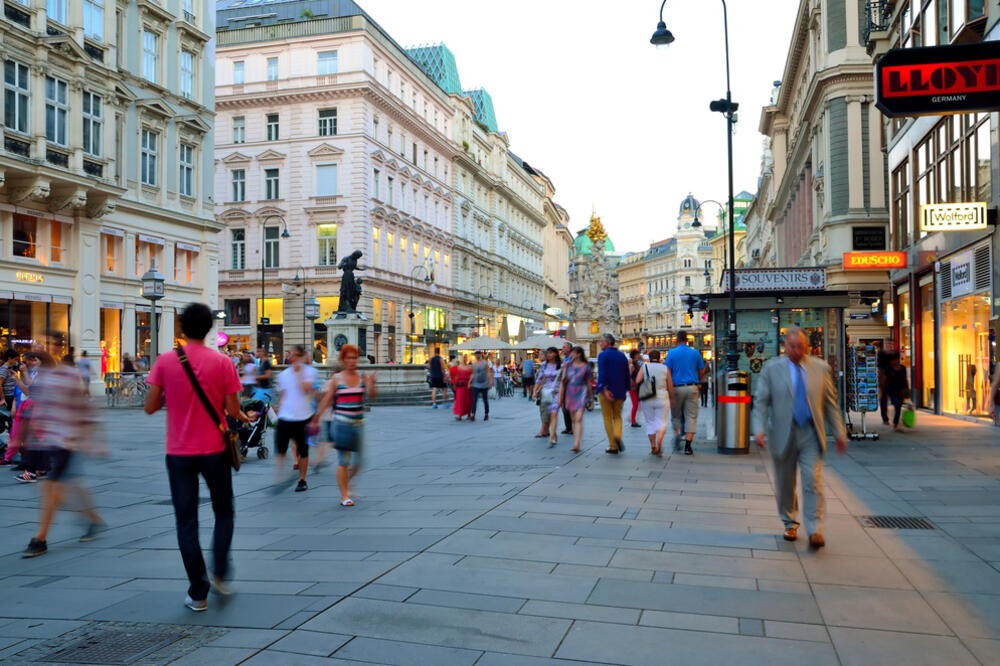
{"points": [[939, 80], [27, 276], [874, 260]]}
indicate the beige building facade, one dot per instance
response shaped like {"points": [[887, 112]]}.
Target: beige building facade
{"points": [[105, 173]]}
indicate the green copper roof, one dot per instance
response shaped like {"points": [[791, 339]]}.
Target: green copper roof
{"points": [[438, 62], [584, 245], [484, 108]]}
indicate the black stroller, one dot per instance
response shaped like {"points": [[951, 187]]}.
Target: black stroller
{"points": [[252, 434]]}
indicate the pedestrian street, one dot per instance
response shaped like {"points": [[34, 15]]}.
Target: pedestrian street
{"points": [[475, 543]]}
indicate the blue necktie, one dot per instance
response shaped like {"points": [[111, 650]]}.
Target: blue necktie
{"points": [[800, 409]]}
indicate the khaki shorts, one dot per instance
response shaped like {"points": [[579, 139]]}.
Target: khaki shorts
{"points": [[686, 404]]}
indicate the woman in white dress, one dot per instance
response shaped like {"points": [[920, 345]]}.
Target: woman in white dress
{"points": [[654, 388]]}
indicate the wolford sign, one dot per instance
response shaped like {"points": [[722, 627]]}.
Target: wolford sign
{"points": [[952, 216], [777, 279], [939, 80]]}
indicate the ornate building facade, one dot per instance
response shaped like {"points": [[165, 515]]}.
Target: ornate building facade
{"points": [[105, 172]]}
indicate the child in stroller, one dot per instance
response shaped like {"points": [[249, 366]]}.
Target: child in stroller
{"points": [[252, 433]]}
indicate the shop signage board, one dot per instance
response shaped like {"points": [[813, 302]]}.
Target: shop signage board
{"points": [[777, 279], [874, 260], [939, 80], [953, 216], [868, 239], [961, 274], [29, 276]]}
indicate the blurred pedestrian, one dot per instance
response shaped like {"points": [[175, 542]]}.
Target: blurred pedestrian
{"points": [[687, 368], [547, 395], [435, 367], [576, 392], [8, 376], [83, 365], [566, 353], [295, 411], [612, 385], [654, 388], [634, 365], [346, 393], [703, 387], [59, 430], [528, 376], [897, 388], [196, 445], [482, 380], [461, 375]]}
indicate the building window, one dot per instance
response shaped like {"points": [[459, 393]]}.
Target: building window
{"points": [[111, 251], [16, 96], [149, 154], [57, 242], [186, 174], [272, 69], [185, 262], [239, 184], [56, 110], [25, 236], [327, 122], [326, 180], [237, 250], [687, 280], [376, 183], [93, 19], [272, 127], [92, 123], [414, 158], [145, 255], [56, 10], [327, 241], [375, 128], [187, 74], [327, 63], [271, 247], [149, 55], [271, 184], [390, 191], [239, 129], [237, 311], [900, 227], [375, 236], [239, 72]]}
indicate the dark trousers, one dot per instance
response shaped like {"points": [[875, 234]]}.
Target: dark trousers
{"points": [[567, 419], [897, 403], [485, 393], [883, 405], [183, 472]]}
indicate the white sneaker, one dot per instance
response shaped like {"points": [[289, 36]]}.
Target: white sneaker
{"points": [[196, 606]]}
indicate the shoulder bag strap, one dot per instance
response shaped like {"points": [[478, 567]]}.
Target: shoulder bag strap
{"points": [[182, 357]]}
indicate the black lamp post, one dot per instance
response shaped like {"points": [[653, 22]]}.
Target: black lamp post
{"points": [[261, 335], [413, 323], [728, 108], [311, 309], [152, 290]]}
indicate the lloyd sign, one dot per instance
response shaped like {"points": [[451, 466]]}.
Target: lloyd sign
{"points": [[939, 80], [777, 279]]}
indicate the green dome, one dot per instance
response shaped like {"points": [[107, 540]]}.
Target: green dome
{"points": [[584, 245]]}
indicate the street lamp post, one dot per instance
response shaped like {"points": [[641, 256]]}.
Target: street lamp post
{"points": [[311, 308], [479, 293], [413, 323], [728, 108], [261, 335], [152, 290]]}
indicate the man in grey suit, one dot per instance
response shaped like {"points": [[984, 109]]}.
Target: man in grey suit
{"points": [[794, 403]]}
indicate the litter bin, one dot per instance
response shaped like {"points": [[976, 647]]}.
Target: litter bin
{"points": [[732, 413]]}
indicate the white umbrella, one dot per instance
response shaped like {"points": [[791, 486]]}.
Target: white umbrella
{"points": [[541, 342], [482, 342]]}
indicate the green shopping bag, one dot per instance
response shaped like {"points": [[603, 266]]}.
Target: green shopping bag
{"points": [[909, 415]]}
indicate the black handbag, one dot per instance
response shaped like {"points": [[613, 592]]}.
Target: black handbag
{"points": [[230, 437]]}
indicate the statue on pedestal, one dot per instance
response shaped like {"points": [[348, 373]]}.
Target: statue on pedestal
{"points": [[350, 288]]}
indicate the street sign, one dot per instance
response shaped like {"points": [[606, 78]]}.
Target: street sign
{"points": [[953, 216], [553, 312], [860, 315], [939, 80], [265, 320], [874, 260]]}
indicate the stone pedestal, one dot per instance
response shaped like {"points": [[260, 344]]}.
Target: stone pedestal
{"points": [[345, 328]]}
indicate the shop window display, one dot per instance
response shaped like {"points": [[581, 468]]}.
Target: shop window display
{"points": [[965, 356], [928, 391]]}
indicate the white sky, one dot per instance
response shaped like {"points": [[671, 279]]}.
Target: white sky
{"points": [[614, 122]]}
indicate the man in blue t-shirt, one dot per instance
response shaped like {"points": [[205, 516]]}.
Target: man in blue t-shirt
{"points": [[613, 383], [687, 368], [527, 375]]}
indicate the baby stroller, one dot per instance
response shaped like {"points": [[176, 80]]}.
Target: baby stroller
{"points": [[252, 434]]}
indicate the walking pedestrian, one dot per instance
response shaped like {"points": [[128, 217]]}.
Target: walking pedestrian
{"points": [[347, 392], [435, 367], [687, 368], [528, 376], [8, 376], [83, 366], [897, 387], [634, 365], [797, 436], [576, 392], [196, 445], [703, 387], [58, 430], [249, 379], [128, 367], [654, 388], [566, 356], [461, 375], [482, 380], [612, 386], [264, 376], [547, 395], [295, 411]]}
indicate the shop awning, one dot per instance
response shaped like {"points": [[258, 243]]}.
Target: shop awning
{"points": [[769, 300]]}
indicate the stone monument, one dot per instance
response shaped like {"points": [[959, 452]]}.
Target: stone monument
{"points": [[595, 305], [347, 325]]}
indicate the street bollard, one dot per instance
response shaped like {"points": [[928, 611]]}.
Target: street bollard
{"points": [[732, 413]]}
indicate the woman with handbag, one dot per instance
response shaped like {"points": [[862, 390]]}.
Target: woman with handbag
{"points": [[347, 392], [634, 367], [547, 395], [576, 392], [654, 387]]}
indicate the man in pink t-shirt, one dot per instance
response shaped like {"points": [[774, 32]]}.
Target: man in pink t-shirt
{"points": [[195, 446]]}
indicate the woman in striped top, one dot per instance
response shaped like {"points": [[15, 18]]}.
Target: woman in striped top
{"points": [[347, 392]]}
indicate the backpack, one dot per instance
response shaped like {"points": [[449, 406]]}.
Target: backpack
{"points": [[646, 389]]}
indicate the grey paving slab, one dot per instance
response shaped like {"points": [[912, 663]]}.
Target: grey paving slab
{"points": [[709, 564], [558, 527], [861, 647], [314, 643], [477, 562], [796, 631], [217, 656], [858, 571], [433, 625], [968, 615], [396, 653], [496, 659], [615, 573], [890, 610], [702, 537], [278, 658], [517, 546], [709, 581], [641, 646], [581, 612], [385, 592], [38, 628], [48, 603], [386, 542], [465, 600], [248, 638], [241, 610], [706, 600], [690, 621]]}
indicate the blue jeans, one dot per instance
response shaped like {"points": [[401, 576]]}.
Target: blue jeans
{"points": [[485, 393], [183, 472]]}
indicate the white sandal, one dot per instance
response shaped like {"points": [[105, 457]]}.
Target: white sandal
{"points": [[347, 502]]}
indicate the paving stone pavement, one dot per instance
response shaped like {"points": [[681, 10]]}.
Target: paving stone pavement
{"points": [[474, 543]]}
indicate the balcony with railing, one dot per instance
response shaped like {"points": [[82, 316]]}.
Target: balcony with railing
{"points": [[878, 14]]}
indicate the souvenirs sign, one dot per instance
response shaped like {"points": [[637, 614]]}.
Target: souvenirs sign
{"points": [[777, 279], [939, 80], [953, 216]]}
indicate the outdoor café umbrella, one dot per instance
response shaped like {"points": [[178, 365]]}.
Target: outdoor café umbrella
{"points": [[483, 342], [541, 342]]}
